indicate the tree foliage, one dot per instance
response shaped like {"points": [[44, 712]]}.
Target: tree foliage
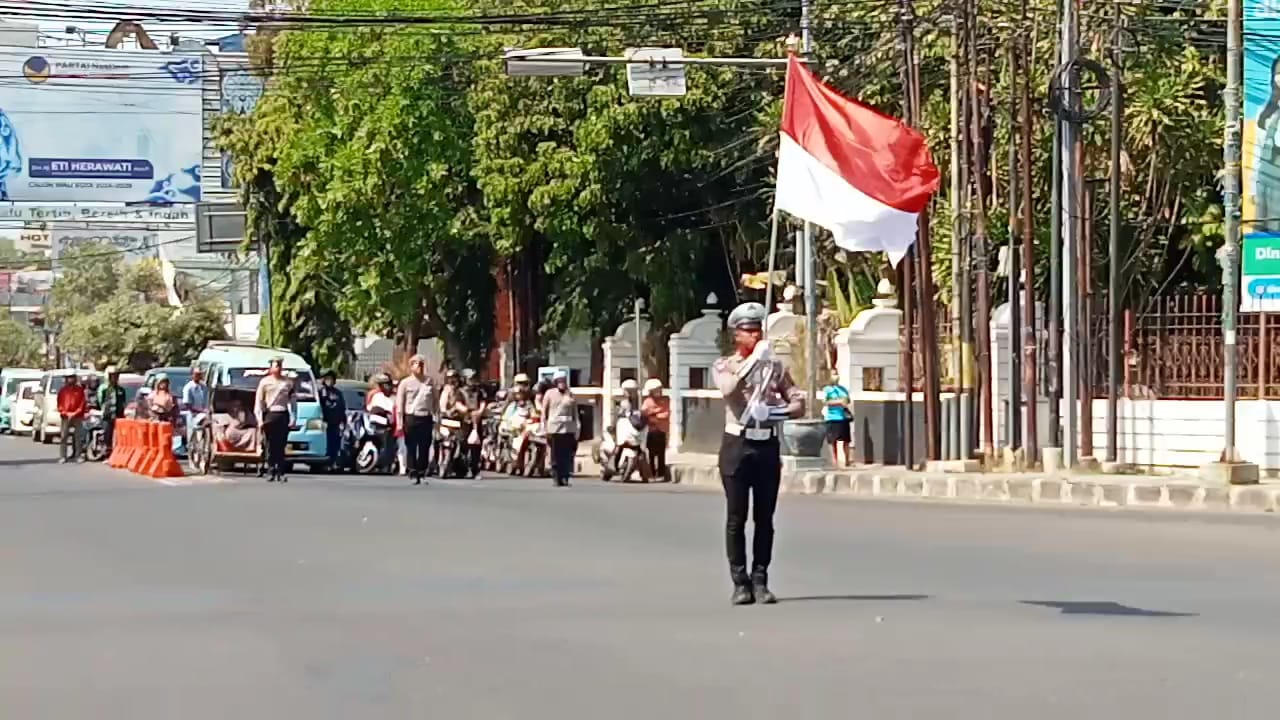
{"points": [[394, 170], [20, 346], [108, 313], [368, 146]]}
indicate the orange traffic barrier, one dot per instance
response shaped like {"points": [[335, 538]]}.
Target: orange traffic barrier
{"points": [[166, 465], [117, 447], [121, 443], [138, 444], [145, 447], [151, 466]]}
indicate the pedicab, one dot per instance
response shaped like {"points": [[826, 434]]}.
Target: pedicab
{"points": [[226, 437]]}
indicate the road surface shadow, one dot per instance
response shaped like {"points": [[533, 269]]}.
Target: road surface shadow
{"points": [[1103, 607], [18, 462], [853, 598]]}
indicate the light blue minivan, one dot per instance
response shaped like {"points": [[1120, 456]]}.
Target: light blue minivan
{"points": [[243, 365]]}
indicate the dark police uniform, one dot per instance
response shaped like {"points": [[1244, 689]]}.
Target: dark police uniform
{"points": [[750, 457], [334, 408]]}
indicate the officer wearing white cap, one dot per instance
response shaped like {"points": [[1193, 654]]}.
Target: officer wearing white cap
{"points": [[759, 395]]}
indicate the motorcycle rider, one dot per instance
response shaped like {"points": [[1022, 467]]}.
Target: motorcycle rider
{"points": [[629, 409], [111, 400], [381, 402], [334, 408], [450, 394], [476, 400], [519, 410], [656, 408], [92, 383]]}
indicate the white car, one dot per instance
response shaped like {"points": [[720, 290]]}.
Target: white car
{"points": [[23, 411]]}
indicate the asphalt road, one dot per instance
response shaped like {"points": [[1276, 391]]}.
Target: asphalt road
{"points": [[335, 597]]}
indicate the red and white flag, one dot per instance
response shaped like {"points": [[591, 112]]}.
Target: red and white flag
{"points": [[861, 174]]}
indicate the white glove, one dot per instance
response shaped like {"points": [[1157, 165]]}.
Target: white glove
{"points": [[758, 411], [761, 353]]}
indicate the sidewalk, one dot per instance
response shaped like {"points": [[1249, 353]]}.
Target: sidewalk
{"points": [[1177, 491]]}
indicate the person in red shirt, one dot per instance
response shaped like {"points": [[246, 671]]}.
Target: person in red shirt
{"points": [[72, 406], [656, 409]]}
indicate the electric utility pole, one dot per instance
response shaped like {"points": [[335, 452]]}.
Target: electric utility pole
{"points": [[1230, 466], [1070, 196]]}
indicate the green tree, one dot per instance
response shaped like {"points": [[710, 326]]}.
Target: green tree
{"points": [[611, 196], [373, 166], [109, 313], [20, 346]]}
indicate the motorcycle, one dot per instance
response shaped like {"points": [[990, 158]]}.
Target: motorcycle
{"points": [[373, 447], [95, 432], [451, 461], [530, 449], [620, 452]]}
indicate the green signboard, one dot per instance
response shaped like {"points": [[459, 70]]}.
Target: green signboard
{"points": [[1260, 273]]}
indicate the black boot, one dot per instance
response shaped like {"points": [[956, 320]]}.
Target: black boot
{"points": [[742, 594], [760, 587]]}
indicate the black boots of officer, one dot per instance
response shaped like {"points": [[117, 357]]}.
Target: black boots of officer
{"points": [[749, 589], [760, 587], [742, 589]]}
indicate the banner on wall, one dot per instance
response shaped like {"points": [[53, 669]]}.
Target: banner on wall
{"points": [[1261, 139], [99, 125]]}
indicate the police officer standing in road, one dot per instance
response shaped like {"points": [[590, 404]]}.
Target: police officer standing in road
{"points": [[759, 395]]}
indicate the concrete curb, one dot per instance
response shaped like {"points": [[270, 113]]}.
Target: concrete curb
{"points": [[1043, 490]]}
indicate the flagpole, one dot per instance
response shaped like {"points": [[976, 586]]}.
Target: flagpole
{"points": [[811, 264], [773, 254]]}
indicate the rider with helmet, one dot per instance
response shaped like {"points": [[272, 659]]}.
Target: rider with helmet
{"points": [[380, 402], [656, 409], [451, 394], [477, 401], [630, 426]]}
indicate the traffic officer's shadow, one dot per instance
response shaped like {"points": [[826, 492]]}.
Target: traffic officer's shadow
{"points": [[853, 598], [1103, 607]]}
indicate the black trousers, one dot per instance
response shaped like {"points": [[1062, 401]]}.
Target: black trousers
{"points": [[333, 440], [656, 444], [417, 445], [109, 433], [751, 473], [564, 446], [275, 429]]}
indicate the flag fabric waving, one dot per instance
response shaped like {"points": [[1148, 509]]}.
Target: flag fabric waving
{"points": [[861, 174]]}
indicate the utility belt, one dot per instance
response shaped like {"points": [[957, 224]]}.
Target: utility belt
{"points": [[752, 434]]}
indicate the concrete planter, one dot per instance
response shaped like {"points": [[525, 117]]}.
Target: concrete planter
{"points": [[803, 438]]}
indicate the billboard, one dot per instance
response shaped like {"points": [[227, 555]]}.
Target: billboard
{"points": [[98, 125], [239, 91], [1261, 138], [131, 245]]}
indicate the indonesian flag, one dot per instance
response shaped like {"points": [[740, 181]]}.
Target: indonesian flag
{"points": [[850, 169]]}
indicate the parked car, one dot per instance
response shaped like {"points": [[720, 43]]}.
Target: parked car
{"points": [[23, 408], [10, 379]]}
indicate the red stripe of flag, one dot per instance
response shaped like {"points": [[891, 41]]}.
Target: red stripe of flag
{"points": [[877, 154]]}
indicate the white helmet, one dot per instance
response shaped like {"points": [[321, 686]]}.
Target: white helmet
{"points": [[630, 385], [652, 384]]}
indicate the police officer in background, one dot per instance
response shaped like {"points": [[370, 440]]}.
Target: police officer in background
{"points": [[759, 395]]}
